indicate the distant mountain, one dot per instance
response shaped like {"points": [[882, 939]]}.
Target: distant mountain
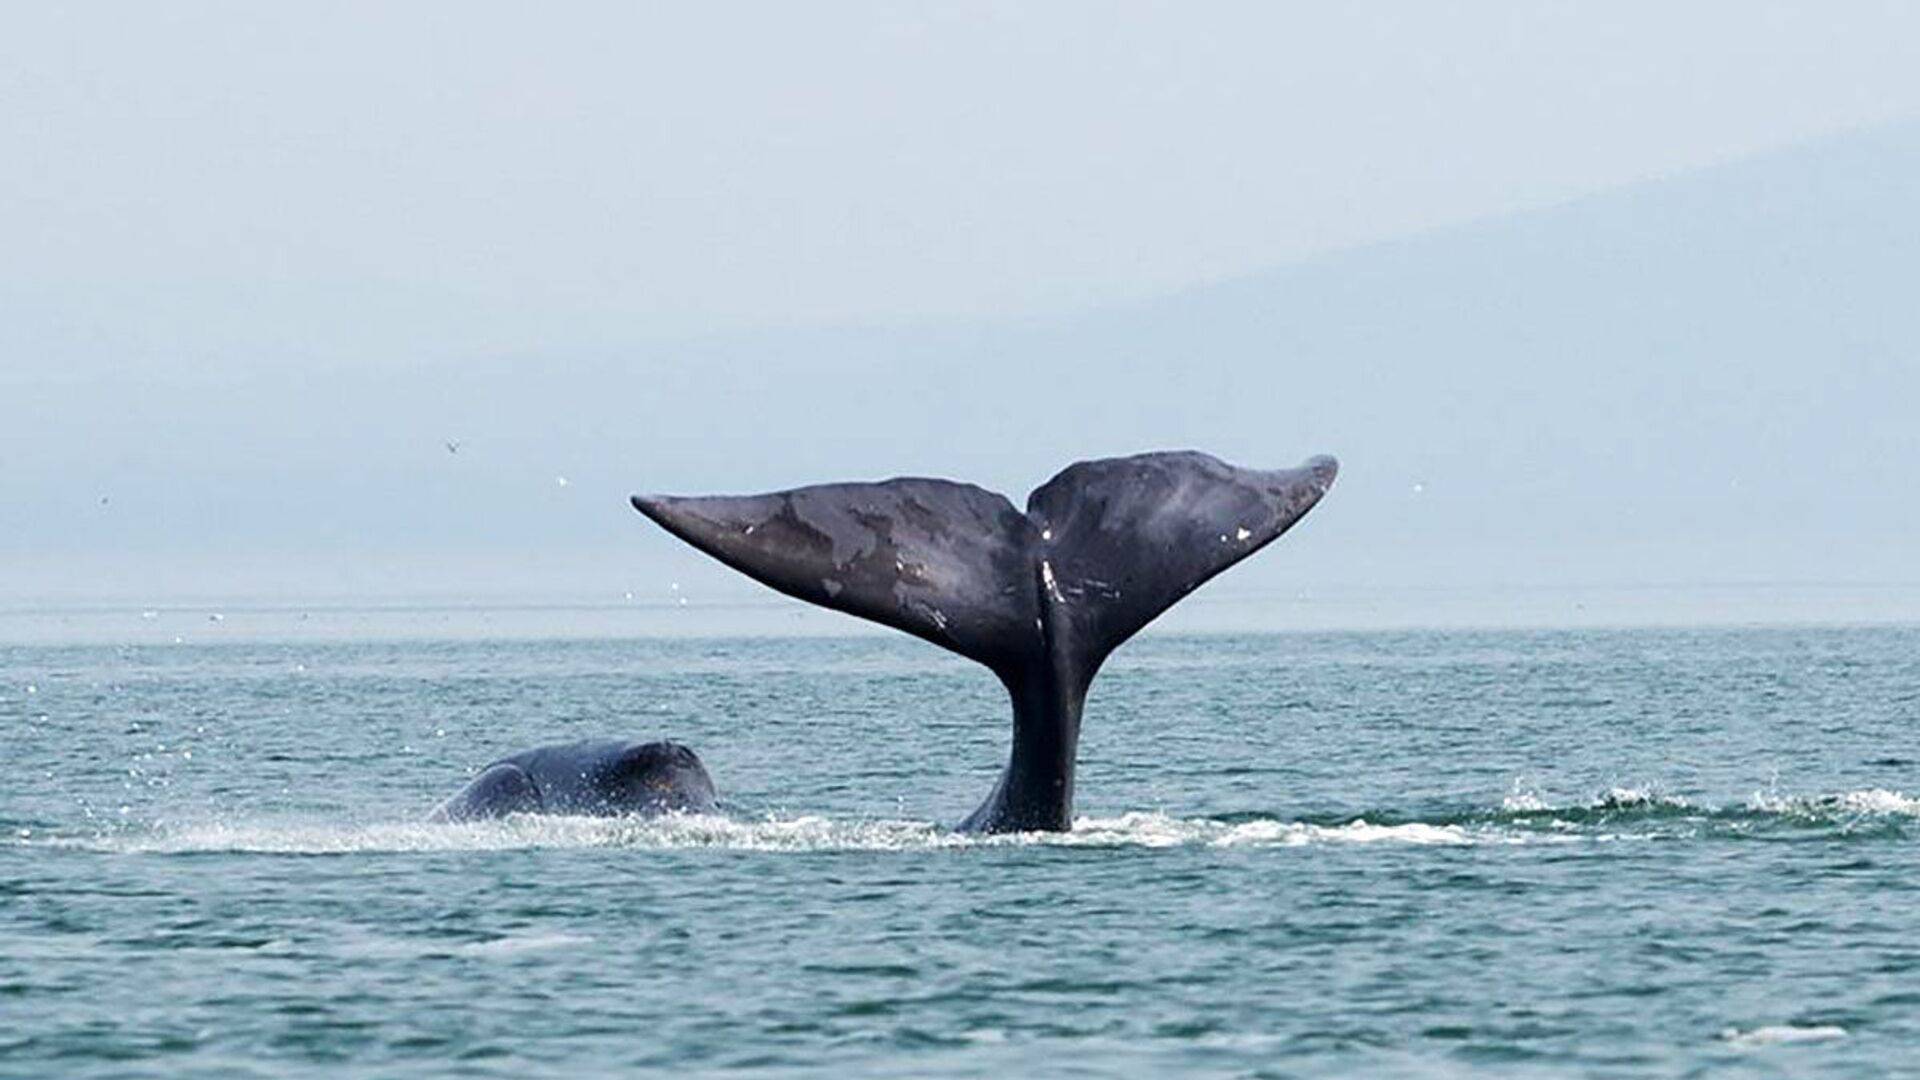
{"points": [[1707, 377]]}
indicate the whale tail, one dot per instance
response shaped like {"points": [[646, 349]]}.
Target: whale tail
{"points": [[1041, 598]]}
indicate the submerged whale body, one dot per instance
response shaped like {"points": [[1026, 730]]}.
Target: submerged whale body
{"points": [[599, 778], [1041, 597]]}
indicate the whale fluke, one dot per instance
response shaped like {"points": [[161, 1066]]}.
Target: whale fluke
{"points": [[944, 561], [1041, 598]]}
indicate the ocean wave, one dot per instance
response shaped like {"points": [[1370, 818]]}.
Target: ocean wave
{"points": [[772, 834], [1611, 801], [1521, 818], [1874, 807], [1869, 802], [515, 944], [1776, 1034]]}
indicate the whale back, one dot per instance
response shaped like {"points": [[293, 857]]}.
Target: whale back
{"points": [[593, 777]]}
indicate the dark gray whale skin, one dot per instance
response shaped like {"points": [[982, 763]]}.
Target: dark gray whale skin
{"points": [[1041, 597], [596, 778]]}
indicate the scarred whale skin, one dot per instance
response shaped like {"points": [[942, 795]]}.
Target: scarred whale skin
{"points": [[1040, 597], [601, 778]]}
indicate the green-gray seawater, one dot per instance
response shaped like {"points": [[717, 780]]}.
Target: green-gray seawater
{"points": [[1385, 854]]}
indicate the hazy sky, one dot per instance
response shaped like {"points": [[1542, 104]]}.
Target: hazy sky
{"points": [[260, 264], [411, 179]]}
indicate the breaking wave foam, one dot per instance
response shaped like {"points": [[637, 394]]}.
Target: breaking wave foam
{"points": [[1871, 801], [797, 834], [1625, 806], [1777, 1034], [1522, 818]]}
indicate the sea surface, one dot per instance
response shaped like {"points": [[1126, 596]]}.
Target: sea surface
{"points": [[1591, 852]]}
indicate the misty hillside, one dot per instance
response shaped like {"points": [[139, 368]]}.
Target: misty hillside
{"points": [[1708, 377]]}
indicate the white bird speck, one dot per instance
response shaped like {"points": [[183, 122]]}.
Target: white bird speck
{"points": [[561, 480], [1241, 534]]}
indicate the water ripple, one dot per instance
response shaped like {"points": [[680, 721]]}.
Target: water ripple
{"points": [[1521, 819]]}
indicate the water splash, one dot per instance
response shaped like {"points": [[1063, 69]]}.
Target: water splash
{"points": [[1867, 802], [1617, 814], [1645, 809], [1777, 1034], [516, 944], [769, 834]]}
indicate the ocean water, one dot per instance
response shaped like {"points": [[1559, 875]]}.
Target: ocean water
{"points": [[1594, 852]]}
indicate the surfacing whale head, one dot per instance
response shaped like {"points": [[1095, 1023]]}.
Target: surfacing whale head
{"points": [[595, 778]]}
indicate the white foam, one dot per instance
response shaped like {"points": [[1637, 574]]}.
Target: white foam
{"points": [[1867, 801], [523, 831], [1776, 1034], [1878, 801], [1624, 798], [816, 833], [514, 944], [1524, 802], [774, 834], [1353, 832]]}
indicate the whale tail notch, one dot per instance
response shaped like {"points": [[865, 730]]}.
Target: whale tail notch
{"points": [[1040, 597]]}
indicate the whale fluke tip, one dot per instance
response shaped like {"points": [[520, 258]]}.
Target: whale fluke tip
{"points": [[1324, 468]]}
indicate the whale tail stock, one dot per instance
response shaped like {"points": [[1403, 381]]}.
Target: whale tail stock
{"points": [[1041, 598]]}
